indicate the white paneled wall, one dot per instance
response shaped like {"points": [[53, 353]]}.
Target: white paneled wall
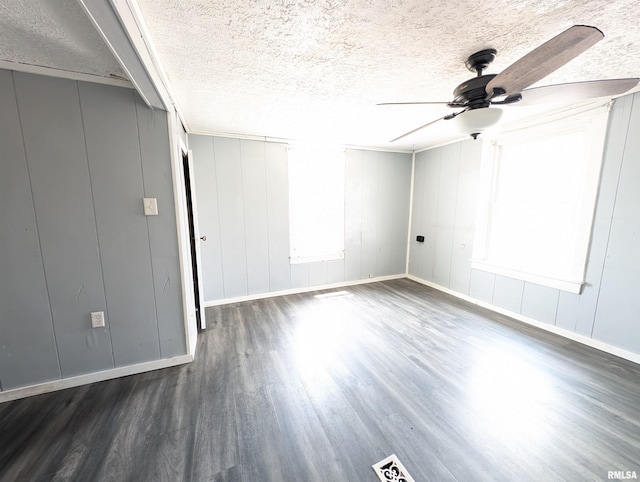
{"points": [[77, 160], [242, 201], [444, 209]]}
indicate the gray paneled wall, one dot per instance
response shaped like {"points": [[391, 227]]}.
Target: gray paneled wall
{"points": [[242, 200], [445, 197], [76, 161]]}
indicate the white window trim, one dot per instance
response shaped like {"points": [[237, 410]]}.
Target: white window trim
{"points": [[593, 118], [314, 150]]}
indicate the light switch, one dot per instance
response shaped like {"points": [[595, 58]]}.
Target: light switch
{"points": [[150, 206]]}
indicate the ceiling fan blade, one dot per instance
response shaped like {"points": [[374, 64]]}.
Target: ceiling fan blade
{"points": [[447, 117], [576, 91], [418, 103], [545, 59]]}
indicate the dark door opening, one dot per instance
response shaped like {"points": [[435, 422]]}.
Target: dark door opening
{"points": [[192, 238]]}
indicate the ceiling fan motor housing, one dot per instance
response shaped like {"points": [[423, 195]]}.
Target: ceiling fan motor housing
{"points": [[472, 92]]}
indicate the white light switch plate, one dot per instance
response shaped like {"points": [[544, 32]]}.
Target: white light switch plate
{"points": [[150, 206]]}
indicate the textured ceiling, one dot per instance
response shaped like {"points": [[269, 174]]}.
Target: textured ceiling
{"points": [[55, 34], [314, 69]]}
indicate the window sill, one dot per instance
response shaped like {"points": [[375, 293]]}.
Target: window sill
{"points": [[570, 286], [316, 259]]}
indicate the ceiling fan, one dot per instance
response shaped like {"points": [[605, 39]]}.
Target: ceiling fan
{"points": [[476, 95]]}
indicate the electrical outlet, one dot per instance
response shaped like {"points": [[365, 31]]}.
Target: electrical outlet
{"points": [[97, 319]]}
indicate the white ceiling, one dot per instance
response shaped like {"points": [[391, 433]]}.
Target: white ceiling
{"points": [[314, 69], [54, 34]]}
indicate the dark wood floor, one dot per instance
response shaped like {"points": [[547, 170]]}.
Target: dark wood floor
{"points": [[301, 388]]}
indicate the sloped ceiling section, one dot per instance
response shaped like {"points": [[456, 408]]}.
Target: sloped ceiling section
{"points": [[314, 69], [54, 34]]}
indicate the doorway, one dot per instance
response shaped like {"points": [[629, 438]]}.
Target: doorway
{"points": [[192, 240]]}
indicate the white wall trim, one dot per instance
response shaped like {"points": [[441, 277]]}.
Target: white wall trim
{"points": [[282, 140], [411, 188], [585, 340], [52, 386], [133, 22], [64, 74], [176, 149], [462, 137], [430, 284], [306, 289], [571, 286]]}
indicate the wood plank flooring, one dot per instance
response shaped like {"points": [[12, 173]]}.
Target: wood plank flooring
{"points": [[305, 388]]}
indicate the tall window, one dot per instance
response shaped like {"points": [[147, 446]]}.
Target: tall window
{"points": [[316, 204], [540, 192]]}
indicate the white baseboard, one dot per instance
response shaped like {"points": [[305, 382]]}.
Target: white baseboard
{"points": [[295, 291], [52, 386], [585, 340]]}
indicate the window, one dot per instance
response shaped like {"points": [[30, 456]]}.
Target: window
{"points": [[316, 204], [540, 188]]}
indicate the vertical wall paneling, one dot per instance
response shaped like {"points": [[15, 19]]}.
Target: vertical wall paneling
{"points": [[76, 162], [231, 213], [157, 180], [567, 312], [431, 187], [254, 191], [618, 311], [507, 293], [418, 217], [585, 307], [251, 206], [277, 172], [111, 132], [481, 285], [369, 227], [399, 197], [335, 271], [206, 190], [447, 192], [384, 239], [608, 307], [540, 302], [52, 127], [27, 342], [300, 275], [465, 215], [318, 273], [353, 214], [617, 136]]}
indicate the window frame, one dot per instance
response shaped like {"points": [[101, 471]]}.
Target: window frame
{"points": [[315, 153], [593, 121]]}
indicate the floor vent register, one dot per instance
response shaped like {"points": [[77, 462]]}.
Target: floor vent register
{"points": [[392, 470]]}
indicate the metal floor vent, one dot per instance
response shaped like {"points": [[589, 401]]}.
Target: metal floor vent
{"points": [[332, 294], [392, 470]]}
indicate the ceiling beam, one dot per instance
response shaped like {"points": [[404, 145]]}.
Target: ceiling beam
{"points": [[116, 23]]}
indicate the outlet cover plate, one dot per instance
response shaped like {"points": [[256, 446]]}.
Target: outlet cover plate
{"points": [[97, 319]]}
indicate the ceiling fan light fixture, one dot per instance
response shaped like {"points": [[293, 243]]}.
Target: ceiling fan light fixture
{"points": [[475, 121]]}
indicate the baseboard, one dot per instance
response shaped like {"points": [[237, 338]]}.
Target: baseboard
{"points": [[585, 340], [306, 289], [52, 386]]}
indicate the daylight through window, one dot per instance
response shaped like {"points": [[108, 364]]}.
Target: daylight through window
{"points": [[316, 204], [540, 192]]}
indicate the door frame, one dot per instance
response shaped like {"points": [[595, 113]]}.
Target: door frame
{"points": [[194, 238], [177, 139]]}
